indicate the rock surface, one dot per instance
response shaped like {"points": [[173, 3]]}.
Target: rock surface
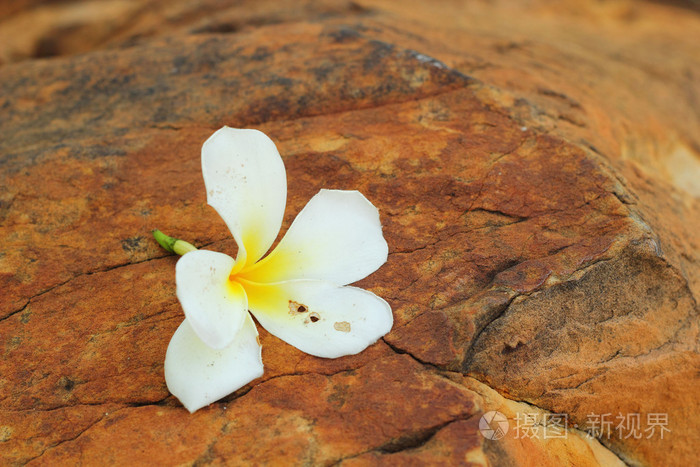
{"points": [[536, 168]]}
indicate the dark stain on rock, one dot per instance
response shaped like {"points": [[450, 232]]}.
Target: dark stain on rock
{"points": [[228, 27], [343, 35], [95, 152], [324, 72], [338, 395], [510, 348], [114, 418], [376, 57], [132, 244], [281, 81], [25, 316], [260, 54], [559, 95], [66, 383]]}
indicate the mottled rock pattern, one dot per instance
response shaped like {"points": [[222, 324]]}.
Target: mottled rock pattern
{"points": [[538, 186]]}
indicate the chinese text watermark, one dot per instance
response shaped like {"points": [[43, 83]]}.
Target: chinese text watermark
{"points": [[494, 425]]}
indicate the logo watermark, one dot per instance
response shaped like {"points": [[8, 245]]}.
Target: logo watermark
{"points": [[493, 425]]}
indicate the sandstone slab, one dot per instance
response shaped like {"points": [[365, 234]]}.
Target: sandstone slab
{"points": [[535, 182]]}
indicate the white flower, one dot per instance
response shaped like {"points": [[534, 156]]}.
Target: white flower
{"points": [[298, 292]]}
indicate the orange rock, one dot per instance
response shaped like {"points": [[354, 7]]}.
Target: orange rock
{"points": [[537, 182]]}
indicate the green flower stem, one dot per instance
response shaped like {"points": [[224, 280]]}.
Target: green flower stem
{"points": [[173, 245]]}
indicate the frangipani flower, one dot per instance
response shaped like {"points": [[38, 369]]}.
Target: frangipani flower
{"points": [[298, 292]]}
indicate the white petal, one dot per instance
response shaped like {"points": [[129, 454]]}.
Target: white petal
{"points": [[199, 375], [246, 183], [318, 317], [337, 237], [214, 305]]}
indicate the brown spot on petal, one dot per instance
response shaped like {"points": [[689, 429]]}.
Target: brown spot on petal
{"points": [[342, 326], [296, 307]]}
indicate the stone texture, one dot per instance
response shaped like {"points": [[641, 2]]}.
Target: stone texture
{"points": [[537, 181], [295, 418], [460, 442]]}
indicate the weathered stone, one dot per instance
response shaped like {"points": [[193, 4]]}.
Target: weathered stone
{"points": [[293, 418], [461, 443], [539, 197], [639, 337]]}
